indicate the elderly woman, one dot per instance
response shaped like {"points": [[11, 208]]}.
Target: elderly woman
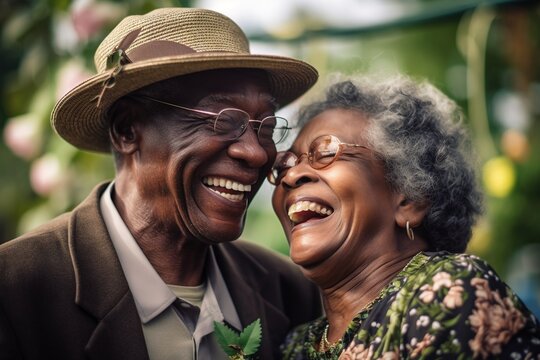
{"points": [[377, 199]]}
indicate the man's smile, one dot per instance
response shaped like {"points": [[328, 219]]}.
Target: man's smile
{"points": [[227, 188]]}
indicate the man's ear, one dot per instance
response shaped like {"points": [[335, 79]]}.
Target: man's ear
{"points": [[411, 211], [124, 135]]}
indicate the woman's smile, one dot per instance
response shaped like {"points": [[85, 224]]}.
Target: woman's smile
{"points": [[305, 210]]}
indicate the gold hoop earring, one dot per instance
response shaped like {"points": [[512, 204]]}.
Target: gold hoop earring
{"points": [[410, 232]]}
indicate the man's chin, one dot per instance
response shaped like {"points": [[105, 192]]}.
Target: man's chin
{"points": [[214, 231], [213, 238], [213, 218]]}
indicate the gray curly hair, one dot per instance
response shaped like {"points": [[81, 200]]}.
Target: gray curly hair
{"points": [[419, 135]]}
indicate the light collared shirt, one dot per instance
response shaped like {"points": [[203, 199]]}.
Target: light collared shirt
{"points": [[170, 325]]}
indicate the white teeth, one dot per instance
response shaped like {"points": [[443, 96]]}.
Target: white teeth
{"points": [[308, 205], [233, 197], [226, 183]]}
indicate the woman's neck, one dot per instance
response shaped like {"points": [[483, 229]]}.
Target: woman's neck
{"points": [[344, 300]]}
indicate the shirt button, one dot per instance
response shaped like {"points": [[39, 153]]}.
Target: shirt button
{"points": [[185, 305]]}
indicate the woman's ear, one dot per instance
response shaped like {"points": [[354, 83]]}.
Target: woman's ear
{"points": [[410, 211]]}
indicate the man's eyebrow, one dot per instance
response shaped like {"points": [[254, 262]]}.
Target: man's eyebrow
{"points": [[229, 99], [272, 100], [219, 98]]}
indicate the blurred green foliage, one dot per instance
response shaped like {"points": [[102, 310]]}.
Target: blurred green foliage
{"points": [[474, 57], [44, 53]]}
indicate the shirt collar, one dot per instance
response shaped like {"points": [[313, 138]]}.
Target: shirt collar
{"points": [[211, 309], [150, 292]]}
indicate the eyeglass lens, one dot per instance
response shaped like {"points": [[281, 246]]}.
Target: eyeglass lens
{"points": [[322, 152], [233, 123]]}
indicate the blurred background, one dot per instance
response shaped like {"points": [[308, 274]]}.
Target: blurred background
{"points": [[483, 54]]}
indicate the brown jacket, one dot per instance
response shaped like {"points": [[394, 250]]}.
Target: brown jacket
{"points": [[63, 294]]}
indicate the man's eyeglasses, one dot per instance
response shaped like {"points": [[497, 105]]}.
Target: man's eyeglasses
{"points": [[232, 123], [322, 153]]}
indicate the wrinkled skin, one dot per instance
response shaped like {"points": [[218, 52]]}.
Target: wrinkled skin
{"points": [[354, 252], [355, 189], [159, 188]]}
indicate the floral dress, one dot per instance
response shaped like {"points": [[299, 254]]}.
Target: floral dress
{"points": [[440, 306]]}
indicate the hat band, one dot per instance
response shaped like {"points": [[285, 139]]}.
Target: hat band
{"points": [[157, 49], [149, 50]]}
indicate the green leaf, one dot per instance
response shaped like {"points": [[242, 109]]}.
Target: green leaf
{"points": [[452, 322], [250, 338], [227, 338]]}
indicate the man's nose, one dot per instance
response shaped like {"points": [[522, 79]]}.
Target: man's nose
{"points": [[248, 149]]}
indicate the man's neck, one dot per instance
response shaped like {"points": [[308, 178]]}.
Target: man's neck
{"points": [[177, 259]]}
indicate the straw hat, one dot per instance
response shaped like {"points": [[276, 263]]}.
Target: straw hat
{"points": [[162, 44]]}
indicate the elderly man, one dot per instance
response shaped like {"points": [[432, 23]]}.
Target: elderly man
{"points": [[145, 265]]}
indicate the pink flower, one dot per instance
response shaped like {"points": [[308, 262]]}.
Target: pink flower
{"points": [[46, 175], [494, 320], [390, 355], [421, 345], [22, 136], [441, 279], [89, 17], [427, 295], [69, 76], [357, 352], [454, 297]]}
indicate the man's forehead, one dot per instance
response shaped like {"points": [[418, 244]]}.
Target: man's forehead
{"points": [[217, 86], [211, 77]]}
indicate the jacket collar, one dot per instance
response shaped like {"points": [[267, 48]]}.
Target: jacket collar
{"points": [[103, 292], [249, 290], [101, 288]]}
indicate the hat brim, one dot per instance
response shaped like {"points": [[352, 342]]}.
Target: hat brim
{"points": [[78, 120]]}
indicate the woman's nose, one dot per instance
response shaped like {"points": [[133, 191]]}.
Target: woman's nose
{"points": [[299, 174]]}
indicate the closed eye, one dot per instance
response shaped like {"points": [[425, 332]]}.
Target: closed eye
{"points": [[326, 153]]}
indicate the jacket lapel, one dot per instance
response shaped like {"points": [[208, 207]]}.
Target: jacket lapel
{"points": [[246, 289], [101, 288], [103, 292]]}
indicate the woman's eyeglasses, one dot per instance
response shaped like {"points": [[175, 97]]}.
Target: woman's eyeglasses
{"points": [[322, 153], [232, 123]]}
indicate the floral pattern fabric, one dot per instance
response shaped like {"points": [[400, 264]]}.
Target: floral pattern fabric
{"points": [[440, 306]]}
